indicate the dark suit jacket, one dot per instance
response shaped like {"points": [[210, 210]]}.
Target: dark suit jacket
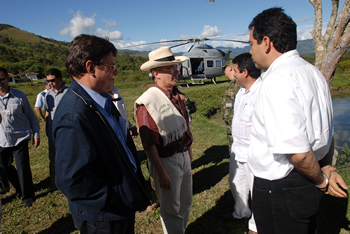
{"points": [[92, 167]]}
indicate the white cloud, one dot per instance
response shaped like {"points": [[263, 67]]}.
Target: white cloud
{"points": [[110, 23], [78, 25], [113, 36], [210, 31], [304, 34]]}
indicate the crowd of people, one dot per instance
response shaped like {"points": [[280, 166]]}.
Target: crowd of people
{"points": [[280, 136]]}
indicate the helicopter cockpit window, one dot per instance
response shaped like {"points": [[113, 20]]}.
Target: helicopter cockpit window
{"points": [[218, 63], [210, 63]]}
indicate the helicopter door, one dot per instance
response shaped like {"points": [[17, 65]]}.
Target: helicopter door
{"points": [[197, 65]]}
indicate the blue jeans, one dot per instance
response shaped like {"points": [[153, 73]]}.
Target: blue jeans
{"points": [[123, 226], [288, 205]]}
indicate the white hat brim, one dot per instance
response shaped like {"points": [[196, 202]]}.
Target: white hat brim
{"points": [[153, 64]]}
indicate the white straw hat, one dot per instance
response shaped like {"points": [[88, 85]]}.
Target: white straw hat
{"points": [[161, 57]]}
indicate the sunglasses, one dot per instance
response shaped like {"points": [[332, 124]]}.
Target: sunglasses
{"points": [[2, 79], [52, 80]]}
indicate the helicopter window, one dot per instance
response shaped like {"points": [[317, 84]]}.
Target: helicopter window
{"points": [[210, 63], [218, 63]]}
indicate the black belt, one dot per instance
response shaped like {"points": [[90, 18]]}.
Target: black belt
{"points": [[182, 150]]}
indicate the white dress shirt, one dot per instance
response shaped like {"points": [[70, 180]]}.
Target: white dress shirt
{"points": [[293, 114], [242, 120]]}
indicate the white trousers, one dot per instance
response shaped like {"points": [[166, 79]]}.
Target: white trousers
{"points": [[241, 183], [175, 204]]}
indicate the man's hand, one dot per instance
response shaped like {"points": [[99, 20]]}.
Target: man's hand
{"points": [[165, 181], [336, 183], [190, 153], [36, 142]]}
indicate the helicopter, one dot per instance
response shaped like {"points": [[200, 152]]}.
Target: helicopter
{"points": [[204, 61]]}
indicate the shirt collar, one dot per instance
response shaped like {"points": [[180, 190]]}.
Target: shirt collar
{"points": [[281, 59], [98, 98], [8, 93], [168, 94]]}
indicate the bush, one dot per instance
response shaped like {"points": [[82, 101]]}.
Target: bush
{"points": [[344, 158]]}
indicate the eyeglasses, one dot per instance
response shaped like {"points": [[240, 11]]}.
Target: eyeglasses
{"points": [[2, 79], [110, 65], [172, 69], [52, 80]]}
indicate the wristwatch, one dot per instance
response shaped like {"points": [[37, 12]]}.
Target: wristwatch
{"points": [[326, 182]]}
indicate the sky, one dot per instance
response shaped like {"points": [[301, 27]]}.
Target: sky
{"points": [[134, 22]]}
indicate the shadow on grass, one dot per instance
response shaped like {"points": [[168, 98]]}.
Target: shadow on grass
{"points": [[142, 156], [210, 176], [214, 154], [63, 225], [212, 221], [331, 216], [43, 184]]}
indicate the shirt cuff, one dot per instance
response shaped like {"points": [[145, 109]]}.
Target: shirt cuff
{"points": [[36, 135]]}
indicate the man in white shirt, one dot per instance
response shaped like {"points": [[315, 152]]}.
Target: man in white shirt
{"points": [[292, 129], [240, 179], [40, 99]]}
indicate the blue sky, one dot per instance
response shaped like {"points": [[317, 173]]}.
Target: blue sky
{"points": [[132, 22]]}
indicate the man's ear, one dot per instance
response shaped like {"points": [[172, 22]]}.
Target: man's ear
{"points": [[90, 67], [267, 44], [245, 72]]}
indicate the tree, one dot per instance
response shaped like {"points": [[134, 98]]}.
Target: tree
{"points": [[331, 46]]}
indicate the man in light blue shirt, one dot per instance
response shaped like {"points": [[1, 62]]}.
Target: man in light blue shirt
{"points": [[18, 119], [40, 99], [52, 99]]}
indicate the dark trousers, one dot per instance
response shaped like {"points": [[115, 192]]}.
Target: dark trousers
{"points": [[52, 156], [288, 205], [124, 226], [21, 178]]}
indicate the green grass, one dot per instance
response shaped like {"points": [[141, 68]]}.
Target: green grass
{"points": [[211, 195], [341, 79]]}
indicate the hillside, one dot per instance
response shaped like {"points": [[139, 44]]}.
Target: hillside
{"points": [[21, 51]]}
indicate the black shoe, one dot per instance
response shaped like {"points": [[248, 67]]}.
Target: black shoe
{"points": [[28, 204]]}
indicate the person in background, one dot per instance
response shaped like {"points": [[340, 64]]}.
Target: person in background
{"points": [[52, 99], [40, 99], [18, 120], [163, 123], [97, 167], [240, 178], [228, 101], [121, 107]]}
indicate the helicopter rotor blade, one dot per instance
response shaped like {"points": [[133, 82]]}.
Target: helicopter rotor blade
{"points": [[246, 42], [151, 43], [180, 44]]}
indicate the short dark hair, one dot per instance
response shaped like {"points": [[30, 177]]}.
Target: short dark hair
{"points": [[4, 71], [245, 61], [54, 72], [276, 25], [87, 47]]}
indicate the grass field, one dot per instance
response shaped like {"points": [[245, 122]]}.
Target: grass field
{"points": [[211, 194]]}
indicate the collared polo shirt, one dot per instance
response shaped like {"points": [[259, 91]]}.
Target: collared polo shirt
{"points": [[52, 99], [40, 99], [242, 120], [293, 114], [18, 119]]}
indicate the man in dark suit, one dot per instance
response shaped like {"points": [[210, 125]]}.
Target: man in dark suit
{"points": [[96, 163]]}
